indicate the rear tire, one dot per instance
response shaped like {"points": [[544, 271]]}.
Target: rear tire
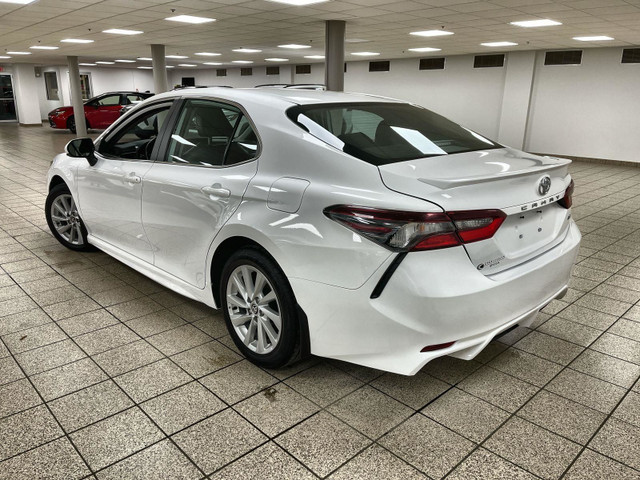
{"points": [[260, 309], [64, 221]]}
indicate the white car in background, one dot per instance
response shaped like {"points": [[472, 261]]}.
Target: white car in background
{"points": [[348, 226]]}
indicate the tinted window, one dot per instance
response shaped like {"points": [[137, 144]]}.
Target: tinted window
{"points": [[108, 101], [244, 145], [136, 139], [382, 133], [202, 133]]}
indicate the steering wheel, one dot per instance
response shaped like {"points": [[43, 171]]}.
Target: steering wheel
{"points": [[145, 152]]}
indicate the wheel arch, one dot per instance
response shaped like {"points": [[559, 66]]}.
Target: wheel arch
{"points": [[55, 181], [234, 243]]}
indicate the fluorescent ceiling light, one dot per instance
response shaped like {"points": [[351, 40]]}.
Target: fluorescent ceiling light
{"points": [[211, 63], [425, 49], [294, 46], [246, 50], [87, 64], [208, 54], [76, 40], [4, 56], [43, 47], [17, 2], [146, 59], [145, 68], [356, 40], [122, 31], [105, 63], [19, 53], [594, 38], [179, 57], [498, 44], [170, 66], [298, 3], [431, 33], [277, 59], [315, 57], [544, 22], [187, 65], [365, 54], [125, 61], [241, 61], [190, 19]]}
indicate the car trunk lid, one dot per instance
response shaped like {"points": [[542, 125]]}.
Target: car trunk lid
{"points": [[504, 179]]}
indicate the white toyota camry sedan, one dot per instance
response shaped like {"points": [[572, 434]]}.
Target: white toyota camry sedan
{"points": [[346, 226]]}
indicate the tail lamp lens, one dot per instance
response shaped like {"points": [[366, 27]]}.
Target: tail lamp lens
{"points": [[567, 200], [414, 231]]}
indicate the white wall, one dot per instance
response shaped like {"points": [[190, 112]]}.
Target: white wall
{"points": [[588, 110], [25, 87], [47, 105]]}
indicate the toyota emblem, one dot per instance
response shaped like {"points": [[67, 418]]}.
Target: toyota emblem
{"points": [[545, 185]]}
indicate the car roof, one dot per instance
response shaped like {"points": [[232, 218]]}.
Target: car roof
{"points": [[283, 97]]}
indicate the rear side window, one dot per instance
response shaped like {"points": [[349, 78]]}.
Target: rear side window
{"points": [[211, 134], [382, 133]]}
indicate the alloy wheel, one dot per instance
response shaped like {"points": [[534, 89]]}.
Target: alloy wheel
{"points": [[254, 309], [66, 219]]}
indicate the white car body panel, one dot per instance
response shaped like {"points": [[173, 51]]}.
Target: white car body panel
{"points": [[277, 201]]}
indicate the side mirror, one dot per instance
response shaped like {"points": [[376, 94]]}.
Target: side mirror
{"points": [[82, 148]]}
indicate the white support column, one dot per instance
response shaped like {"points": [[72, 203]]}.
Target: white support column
{"points": [[334, 55], [160, 83], [76, 97], [516, 100]]}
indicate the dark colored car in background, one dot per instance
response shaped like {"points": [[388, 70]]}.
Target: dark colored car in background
{"points": [[100, 111]]}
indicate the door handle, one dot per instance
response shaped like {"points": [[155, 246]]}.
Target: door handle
{"points": [[216, 190], [132, 179]]}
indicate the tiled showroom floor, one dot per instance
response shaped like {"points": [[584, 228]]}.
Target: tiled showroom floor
{"points": [[106, 374]]}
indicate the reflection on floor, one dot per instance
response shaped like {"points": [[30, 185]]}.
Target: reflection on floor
{"points": [[105, 374]]}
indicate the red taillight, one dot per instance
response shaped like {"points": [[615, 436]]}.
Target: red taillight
{"points": [[413, 231], [476, 225], [567, 200]]}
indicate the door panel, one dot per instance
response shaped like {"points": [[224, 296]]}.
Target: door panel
{"points": [[110, 192], [7, 101], [191, 195], [109, 196], [184, 207]]}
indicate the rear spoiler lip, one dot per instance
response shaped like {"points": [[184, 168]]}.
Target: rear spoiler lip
{"points": [[446, 183]]}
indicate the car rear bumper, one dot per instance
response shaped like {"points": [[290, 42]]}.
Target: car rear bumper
{"points": [[434, 297]]}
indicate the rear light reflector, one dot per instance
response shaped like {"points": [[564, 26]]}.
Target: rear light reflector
{"points": [[567, 200], [476, 225], [433, 348], [415, 231]]}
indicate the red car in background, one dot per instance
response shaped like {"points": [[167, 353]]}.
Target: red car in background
{"points": [[100, 111]]}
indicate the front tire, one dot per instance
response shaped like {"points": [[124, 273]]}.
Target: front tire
{"points": [[260, 309], [64, 221]]}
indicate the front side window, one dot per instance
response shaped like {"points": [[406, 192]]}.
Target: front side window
{"points": [[382, 133], [108, 101], [136, 140], [208, 133]]}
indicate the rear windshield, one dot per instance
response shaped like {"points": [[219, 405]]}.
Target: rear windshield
{"points": [[382, 133]]}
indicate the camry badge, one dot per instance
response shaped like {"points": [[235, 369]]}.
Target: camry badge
{"points": [[544, 185]]}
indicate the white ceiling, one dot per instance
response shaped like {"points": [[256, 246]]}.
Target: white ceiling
{"points": [[385, 25]]}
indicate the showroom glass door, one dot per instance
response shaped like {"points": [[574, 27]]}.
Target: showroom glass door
{"points": [[7, 100]]}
